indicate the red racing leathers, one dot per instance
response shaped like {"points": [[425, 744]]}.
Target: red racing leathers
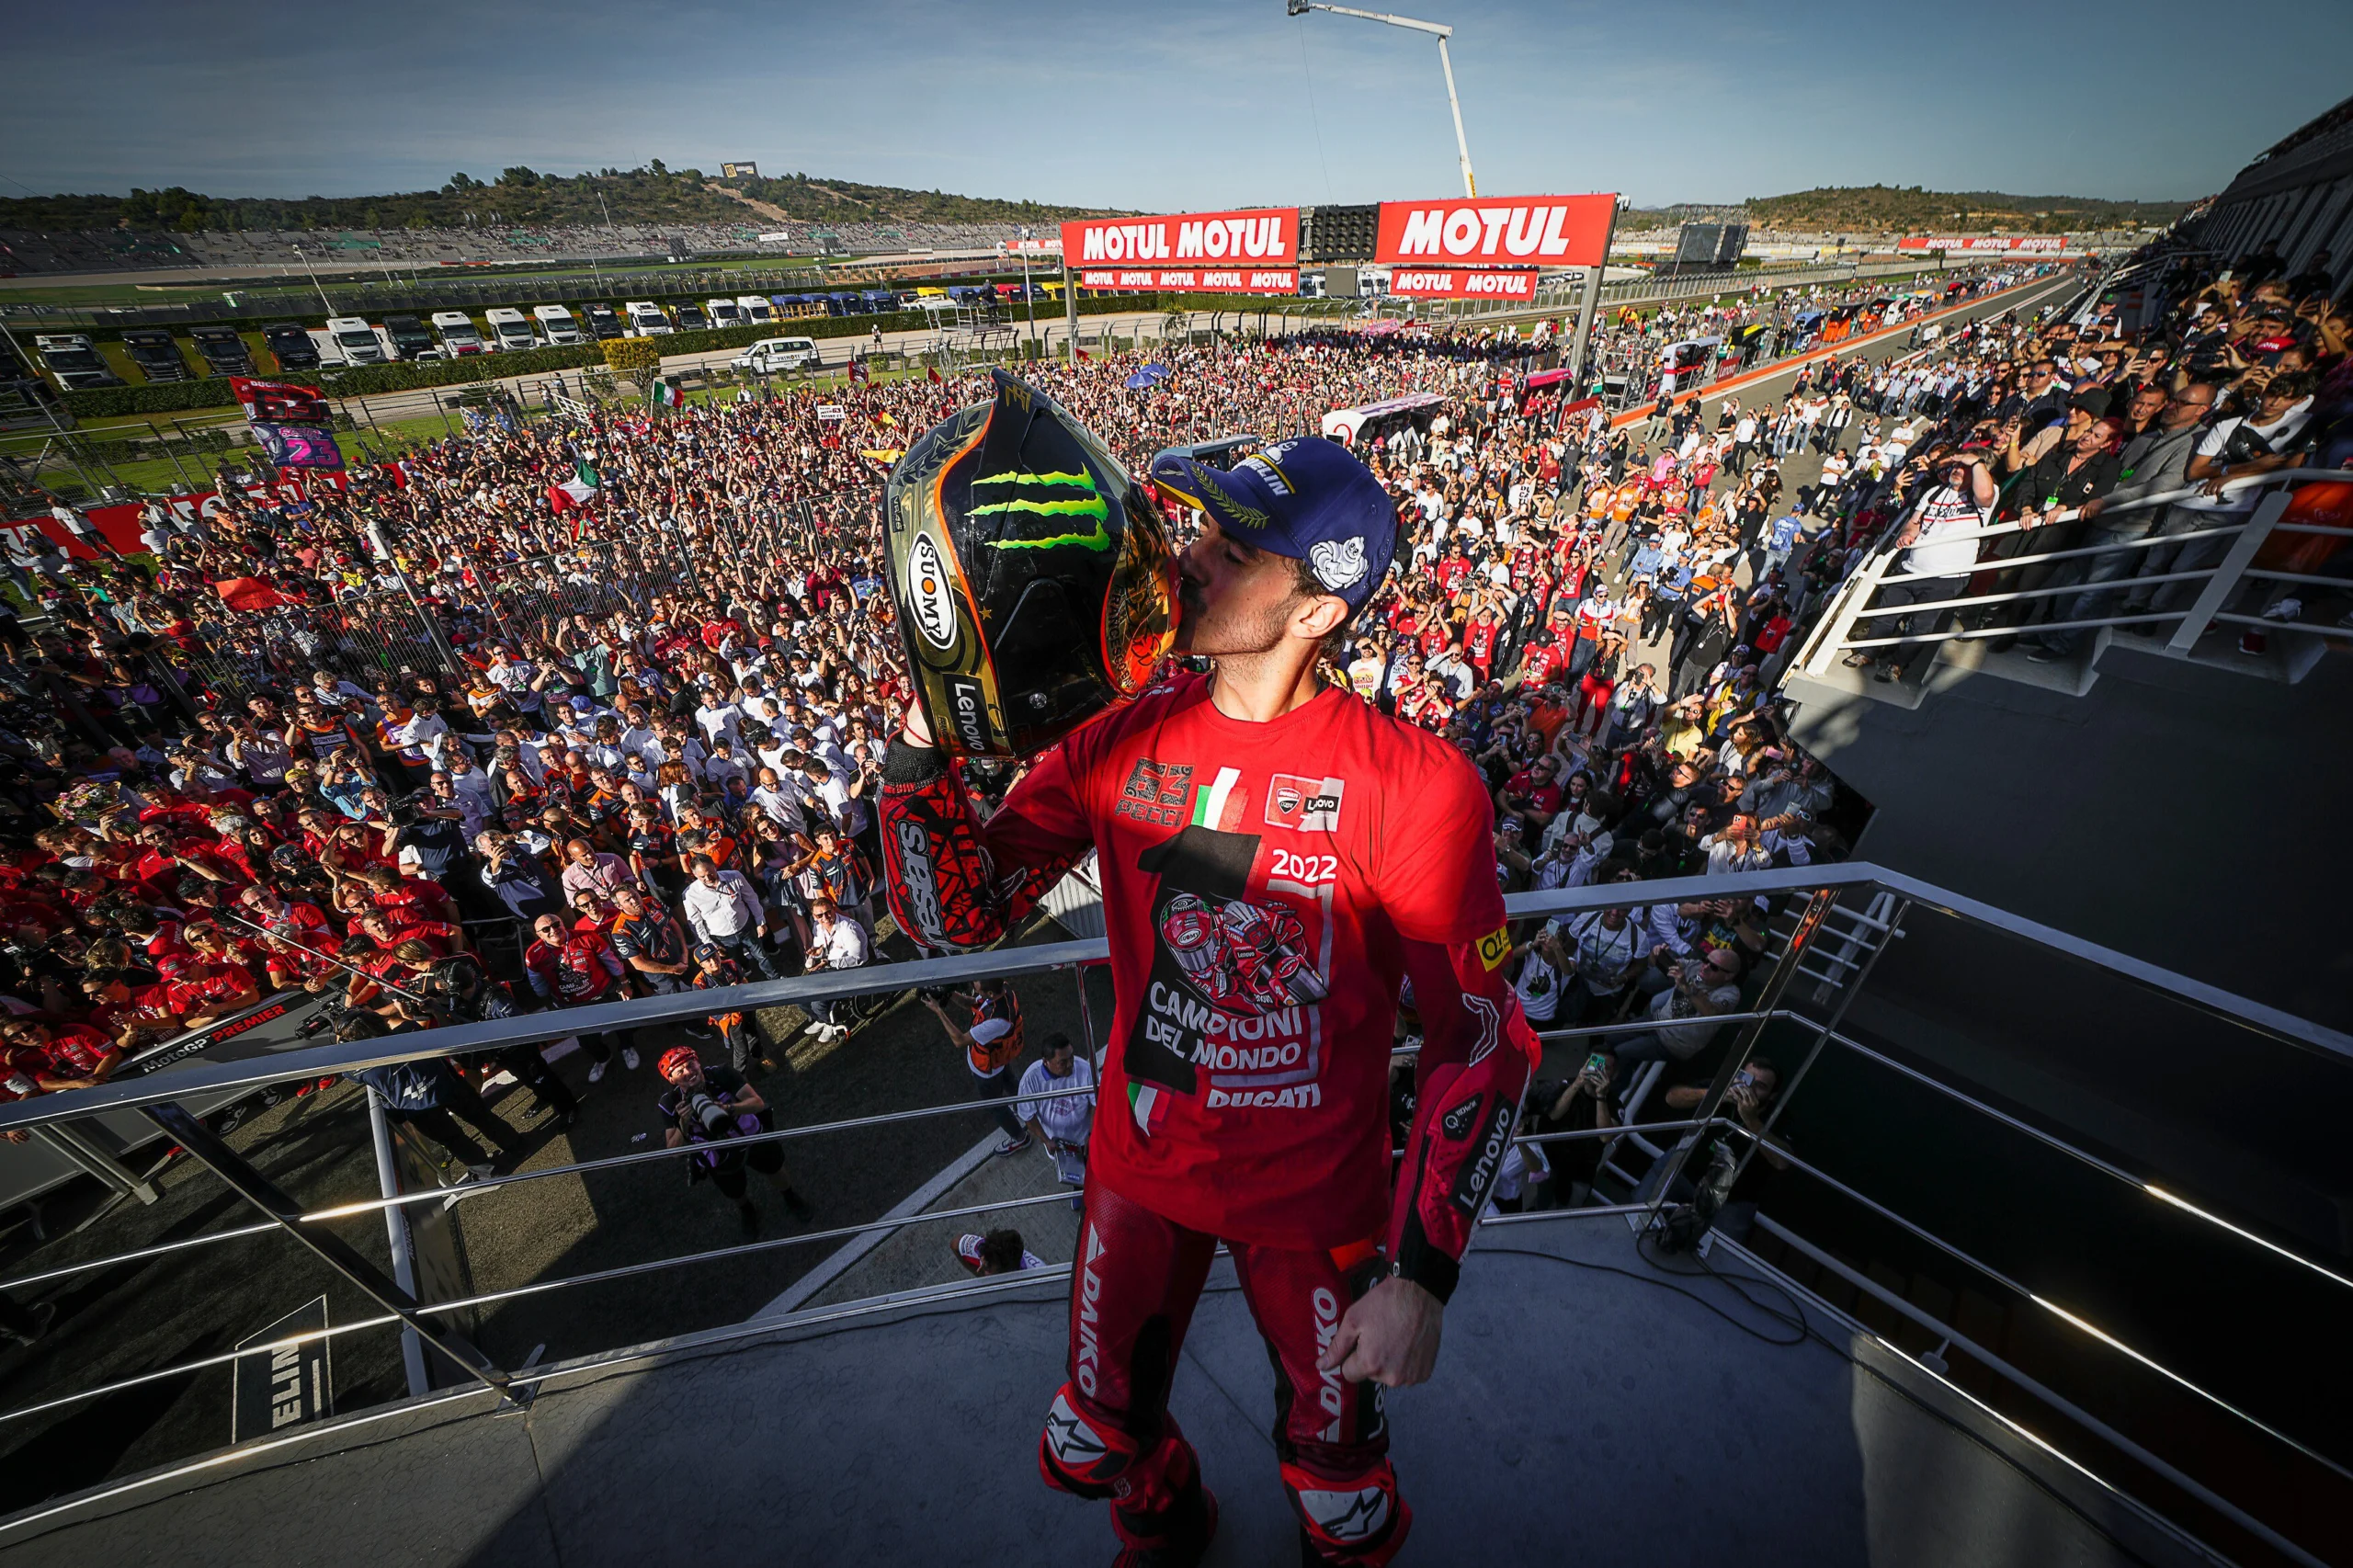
{"points": [[1266, 887]]}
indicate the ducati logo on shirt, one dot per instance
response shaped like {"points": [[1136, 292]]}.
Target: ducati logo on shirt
{"points": [[1235, 980], [1311, 805]]}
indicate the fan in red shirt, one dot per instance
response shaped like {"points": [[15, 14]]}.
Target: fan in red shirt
{"points": [[387, 928], [413, 900], [59, 1056], [1261, 920], [196, 998]]}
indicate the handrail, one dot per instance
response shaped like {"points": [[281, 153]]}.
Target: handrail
{"points": [[1823, 884], [1838, 629], [322, 1061]]}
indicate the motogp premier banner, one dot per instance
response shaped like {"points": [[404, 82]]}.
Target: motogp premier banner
{"points": [[1254, 252], [1461, 283], [1556, 230]]}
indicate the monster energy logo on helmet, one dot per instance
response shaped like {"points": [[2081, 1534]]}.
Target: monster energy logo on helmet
{"points": [[1031, 574]]}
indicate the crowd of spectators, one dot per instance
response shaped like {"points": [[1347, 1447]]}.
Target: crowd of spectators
{"points": [[2037, 426], [2047, 433], [669, 787]]}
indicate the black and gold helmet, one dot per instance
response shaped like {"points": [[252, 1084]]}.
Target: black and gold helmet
{"points": [[1033, 579]]}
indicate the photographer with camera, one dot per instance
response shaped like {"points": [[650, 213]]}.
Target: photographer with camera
{"points": [[835, 941], [455, 990], [710, 1106], [1926, 570]]}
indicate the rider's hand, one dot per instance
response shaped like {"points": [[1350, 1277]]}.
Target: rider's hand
{"points": [[1390, 1336]]}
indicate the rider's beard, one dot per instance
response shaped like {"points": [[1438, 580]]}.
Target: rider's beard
{"points": [[1214, 630]]}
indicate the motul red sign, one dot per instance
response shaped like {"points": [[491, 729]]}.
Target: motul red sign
{"points": [[1562, 231], [1461, 283], [1265, 236]]}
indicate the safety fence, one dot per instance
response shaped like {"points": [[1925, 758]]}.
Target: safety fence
{"points": [[2081, 1365], [2176, 568]]}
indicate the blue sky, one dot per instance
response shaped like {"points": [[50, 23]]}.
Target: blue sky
{"points": [[1164, 107]]}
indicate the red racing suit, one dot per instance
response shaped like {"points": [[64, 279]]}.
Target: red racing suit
{"points": [[1266, 887]]}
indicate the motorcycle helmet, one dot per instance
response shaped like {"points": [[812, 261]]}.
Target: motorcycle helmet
{"points": [[1032, 575]]}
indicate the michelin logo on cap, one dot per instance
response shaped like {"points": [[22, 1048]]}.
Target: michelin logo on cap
{"points": [[1338, 564]]}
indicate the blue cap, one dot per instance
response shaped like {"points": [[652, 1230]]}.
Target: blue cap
{"points": [[1307, 498]]}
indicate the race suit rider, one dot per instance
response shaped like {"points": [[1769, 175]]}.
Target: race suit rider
{"points": [[1276, 856]]}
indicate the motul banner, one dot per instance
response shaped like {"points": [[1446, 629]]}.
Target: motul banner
{"points": [[1461, 283], [1984, 242], [1265, 237], [1193, 280], [1563, 230]]}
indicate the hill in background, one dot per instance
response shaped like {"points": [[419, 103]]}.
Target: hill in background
{"points": [[654, 195], [1882, 208], [521, 197]]}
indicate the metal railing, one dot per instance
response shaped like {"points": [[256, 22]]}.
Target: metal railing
{"points": [[2220, 587], [1830, 926]]}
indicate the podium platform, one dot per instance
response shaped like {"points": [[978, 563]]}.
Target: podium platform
{"points": [[1579, 1415]]}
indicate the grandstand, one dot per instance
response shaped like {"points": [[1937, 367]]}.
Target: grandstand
{"points": [[121, 250]]}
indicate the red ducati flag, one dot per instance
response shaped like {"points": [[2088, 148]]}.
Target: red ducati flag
{"points": [[280, 403]]}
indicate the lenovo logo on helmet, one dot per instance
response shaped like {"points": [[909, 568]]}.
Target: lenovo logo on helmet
{"points": [[968, 711], [930, 597]]}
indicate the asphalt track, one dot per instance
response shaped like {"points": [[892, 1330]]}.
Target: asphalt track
{"points": [[118, 1323]]}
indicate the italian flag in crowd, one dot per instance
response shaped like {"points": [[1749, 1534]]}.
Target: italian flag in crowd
{"points": [[566, 494], [667, 395]]}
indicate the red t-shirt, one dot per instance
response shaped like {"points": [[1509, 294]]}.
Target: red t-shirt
{"points": [[1257, 921]]}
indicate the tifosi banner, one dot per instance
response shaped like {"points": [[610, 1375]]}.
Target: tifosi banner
{"points": [[1984, 242], [1461, 283], [1196, 281], [1265, 236], [1558, 231]]}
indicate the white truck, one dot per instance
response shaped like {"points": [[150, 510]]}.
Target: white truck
{"points": [[723, 311], [556, 324], [771, 355], [756, 310], [355, 342], [511, 329], [458, 334], [646, 319]]}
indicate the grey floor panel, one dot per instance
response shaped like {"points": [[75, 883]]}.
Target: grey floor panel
{"points": [[1576, 1414], [452, 1492]]}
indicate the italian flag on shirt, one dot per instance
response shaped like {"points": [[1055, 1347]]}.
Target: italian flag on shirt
{"points": [[1217, 805]]}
